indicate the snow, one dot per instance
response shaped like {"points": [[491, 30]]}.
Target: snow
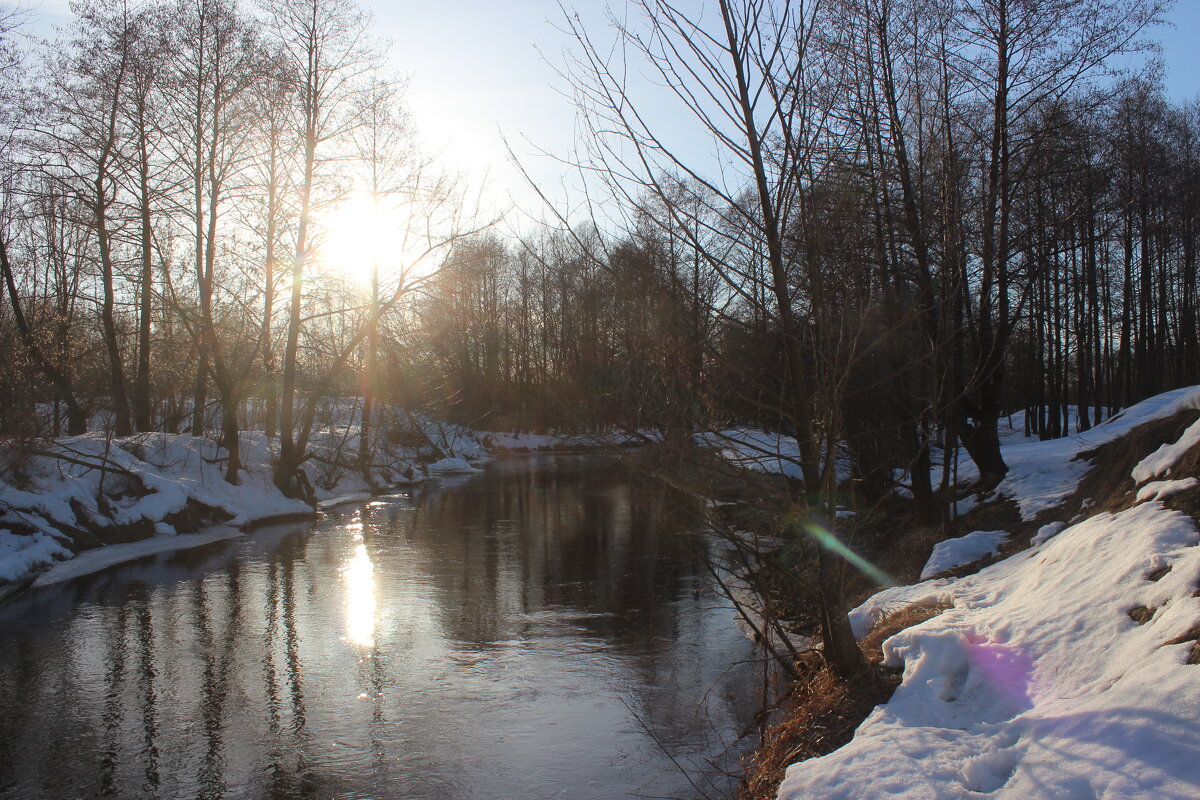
{"points": [[351, 497], [894, 598], [1043, 474], [953, 553], [1163, 459], [523, 441], [22, 555], [92, 480], [763, 451], [1160, 489], [1037, 682], [96, 482], [451, 466], [1047, 532], [104, 557]]}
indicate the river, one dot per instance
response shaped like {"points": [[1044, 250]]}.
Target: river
{"points": [[544, 629]]}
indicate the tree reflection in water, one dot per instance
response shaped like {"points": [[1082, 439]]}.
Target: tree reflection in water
{"points": [[544, 629]]}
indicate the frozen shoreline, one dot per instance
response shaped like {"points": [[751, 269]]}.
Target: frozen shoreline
{"points": [[99, 500], [92, 561], [1065, 670]]}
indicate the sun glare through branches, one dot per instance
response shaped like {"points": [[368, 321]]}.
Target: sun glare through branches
{"points": [[363, 233]]}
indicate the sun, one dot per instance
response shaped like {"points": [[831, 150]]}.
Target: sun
{"points": [[363, 233]]}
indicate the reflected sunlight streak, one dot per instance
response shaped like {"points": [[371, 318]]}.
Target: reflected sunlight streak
{"points": [[359, 574]]}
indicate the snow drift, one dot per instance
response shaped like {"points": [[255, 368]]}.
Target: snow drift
{"points": [[59, 497], [1065, 671]]}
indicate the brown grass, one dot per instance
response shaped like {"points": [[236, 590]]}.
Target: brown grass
{"points": [[1141, 614], [1193, 635], [893, 622], [821, 715], [1158, 574], [824, 711]]}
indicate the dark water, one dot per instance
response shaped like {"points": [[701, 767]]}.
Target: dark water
{"points": [[545, 629]]}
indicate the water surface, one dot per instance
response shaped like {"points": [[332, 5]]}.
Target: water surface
{"points": [[545, 629]]}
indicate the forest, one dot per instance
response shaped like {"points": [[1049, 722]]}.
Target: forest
{"points": [[845, 387], [920, 217]]}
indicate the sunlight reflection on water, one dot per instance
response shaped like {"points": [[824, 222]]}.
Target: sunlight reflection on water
{"points": [[543, 629], [359, 575]]}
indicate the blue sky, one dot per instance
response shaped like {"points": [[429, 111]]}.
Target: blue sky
{"points": [[479, 69], [1181, 50]]}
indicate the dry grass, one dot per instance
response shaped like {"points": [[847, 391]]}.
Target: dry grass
{"points": [[821, 716], [895, 621], [1142, 614], [1158, 574], [1193, 635], [823, 710]]}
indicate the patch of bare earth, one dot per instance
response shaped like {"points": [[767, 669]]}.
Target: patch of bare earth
{"points": [[823, 710]]}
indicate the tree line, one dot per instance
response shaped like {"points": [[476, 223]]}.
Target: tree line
{"points": [[912, 219], [166, 170], [936, 215]]}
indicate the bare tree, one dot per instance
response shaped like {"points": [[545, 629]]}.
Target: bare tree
{"points": [[218, 66], [84, 140], [754, 84], [328, 55]]}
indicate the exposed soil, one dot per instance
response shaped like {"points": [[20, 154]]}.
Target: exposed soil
{"points": [[823, 711]]}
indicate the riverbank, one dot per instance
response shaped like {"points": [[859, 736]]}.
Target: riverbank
{"points": [[546, 626], [154, 492], [1046, 651]]}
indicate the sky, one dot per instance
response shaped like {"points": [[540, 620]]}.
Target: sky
{"points": [[482, 71]]}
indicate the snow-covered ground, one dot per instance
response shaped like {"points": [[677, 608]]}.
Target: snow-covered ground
{"points": [[58, 497], [1043, 474], [56, 491], [1060, 672], [963, 550]]}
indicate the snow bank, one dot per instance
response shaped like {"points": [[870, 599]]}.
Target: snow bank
{"points": [[23, 555], [1047, 532], [62, 496], [1060, 672], [451, 466], [1160, 489], [93, 482], [101, 558], [1038, 683], [1163, 459], [953, 553], [523, 441], [1043, 474]]}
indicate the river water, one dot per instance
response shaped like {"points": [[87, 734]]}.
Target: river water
{"points": [[545, 629]]}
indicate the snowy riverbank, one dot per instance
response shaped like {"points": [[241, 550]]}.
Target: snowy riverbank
{"points": [[116, 498], [1066, 670]]}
